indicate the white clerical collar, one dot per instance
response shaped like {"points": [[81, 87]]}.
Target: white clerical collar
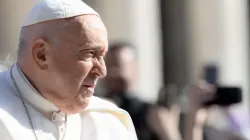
{"points": [[31, 95]]}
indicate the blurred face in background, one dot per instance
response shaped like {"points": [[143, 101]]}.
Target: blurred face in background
{"points": [[121, 70]]}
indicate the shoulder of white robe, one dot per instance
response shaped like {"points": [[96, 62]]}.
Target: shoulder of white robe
{"points": [[100, 105], [4, 133]]}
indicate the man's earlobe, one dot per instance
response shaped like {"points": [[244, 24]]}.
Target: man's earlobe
{"points": [[39, 53]]}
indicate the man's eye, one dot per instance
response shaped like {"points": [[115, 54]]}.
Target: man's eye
{"points": [[90, 54], [87, 56]]}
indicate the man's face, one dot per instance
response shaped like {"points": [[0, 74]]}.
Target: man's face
{"points": [[77, 62], [121, 72]]}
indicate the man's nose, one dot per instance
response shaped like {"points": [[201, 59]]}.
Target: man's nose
{"points": [[99, 68]]}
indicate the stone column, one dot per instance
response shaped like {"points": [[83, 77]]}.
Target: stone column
{"points": [[218, 33], [12, 14], [234, 58]]}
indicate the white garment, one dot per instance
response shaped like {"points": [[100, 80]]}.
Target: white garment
{"points": [[101, 120]]}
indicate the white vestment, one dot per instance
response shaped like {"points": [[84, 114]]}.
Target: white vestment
{"points": [[101, 120]]}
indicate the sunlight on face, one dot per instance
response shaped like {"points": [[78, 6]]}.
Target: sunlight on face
{"points": [[78, 62]]}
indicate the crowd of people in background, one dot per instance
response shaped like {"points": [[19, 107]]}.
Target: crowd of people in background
{"points": [[176, 115]]}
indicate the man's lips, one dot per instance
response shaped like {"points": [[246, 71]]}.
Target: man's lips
{"points": [[89, 86], [88, 90]]}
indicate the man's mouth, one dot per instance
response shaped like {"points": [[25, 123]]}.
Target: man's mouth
{"points": [[89, 86], [88, 90]]}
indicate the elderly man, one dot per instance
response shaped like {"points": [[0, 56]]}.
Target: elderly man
{"points": [[48, 93]]}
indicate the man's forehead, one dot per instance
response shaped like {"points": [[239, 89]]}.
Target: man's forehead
{"points": [[89, 24], [78, 25], [86, 32], [75, 32]]}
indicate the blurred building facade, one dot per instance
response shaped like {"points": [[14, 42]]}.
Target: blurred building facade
{"points": [[194, 33], [12, 14], [218, 33]]}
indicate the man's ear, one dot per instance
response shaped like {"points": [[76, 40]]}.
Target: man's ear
{"points": [[39, 52]]}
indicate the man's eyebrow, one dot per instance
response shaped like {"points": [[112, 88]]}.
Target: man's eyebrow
{"points": [[96, 48]]}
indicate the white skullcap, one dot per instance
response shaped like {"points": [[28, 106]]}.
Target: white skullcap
{"points": [[47, 10]]}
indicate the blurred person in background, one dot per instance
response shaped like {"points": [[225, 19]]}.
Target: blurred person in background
{"points": [[168, 119], [120, 85], [163, 120], [171, 121], [196, 115], [164, 116]]}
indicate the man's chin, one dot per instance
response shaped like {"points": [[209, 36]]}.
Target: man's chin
{"points": [[79, 105]]}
